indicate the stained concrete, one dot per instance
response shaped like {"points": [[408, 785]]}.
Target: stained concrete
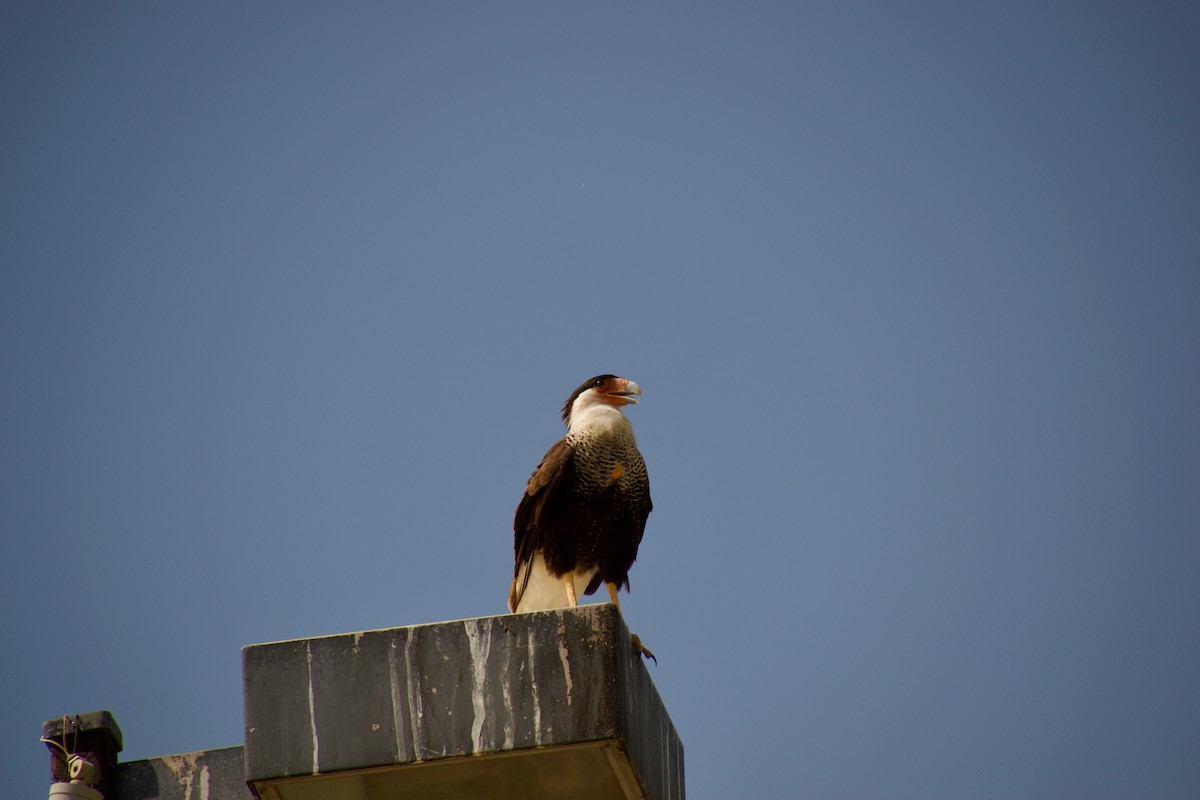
{"points": [[448, 693], [546, 705], [205, 775]]}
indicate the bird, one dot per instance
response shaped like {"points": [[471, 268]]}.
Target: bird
{"points": [[581, 517]]}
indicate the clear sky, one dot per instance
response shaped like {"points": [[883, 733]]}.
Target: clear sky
{"points": [[291, 294]]}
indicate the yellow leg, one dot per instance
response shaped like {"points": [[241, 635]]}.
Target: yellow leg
{"points": [[635, 641], [612, 593], [569, 583]]}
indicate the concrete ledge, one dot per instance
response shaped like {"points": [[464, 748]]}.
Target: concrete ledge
{"points": [[207, 775], [553, 699]]}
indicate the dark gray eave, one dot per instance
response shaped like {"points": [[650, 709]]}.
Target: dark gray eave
{"points": [[502, 686], [205, 775]]}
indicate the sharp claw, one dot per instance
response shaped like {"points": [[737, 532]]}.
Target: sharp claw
{"points": [[640, 649]]}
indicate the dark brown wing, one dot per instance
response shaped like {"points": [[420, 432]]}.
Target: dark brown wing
{"points": [[537, 504]]}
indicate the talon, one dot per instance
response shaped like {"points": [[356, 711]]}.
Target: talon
{"points": [[640, 649]]}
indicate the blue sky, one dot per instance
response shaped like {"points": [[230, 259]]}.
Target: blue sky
{"points": [[291, 293]]}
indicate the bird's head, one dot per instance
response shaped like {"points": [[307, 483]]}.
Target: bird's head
{"points": [[600, 392]]}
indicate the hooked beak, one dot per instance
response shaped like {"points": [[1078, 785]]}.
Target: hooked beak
{"points": [[631, 393]]}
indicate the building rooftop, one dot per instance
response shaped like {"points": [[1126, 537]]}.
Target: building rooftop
{"points": [[546, 704]]}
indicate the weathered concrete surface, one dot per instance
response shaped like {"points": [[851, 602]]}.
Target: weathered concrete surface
{"points": [[206, 775], [424, 695]]}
